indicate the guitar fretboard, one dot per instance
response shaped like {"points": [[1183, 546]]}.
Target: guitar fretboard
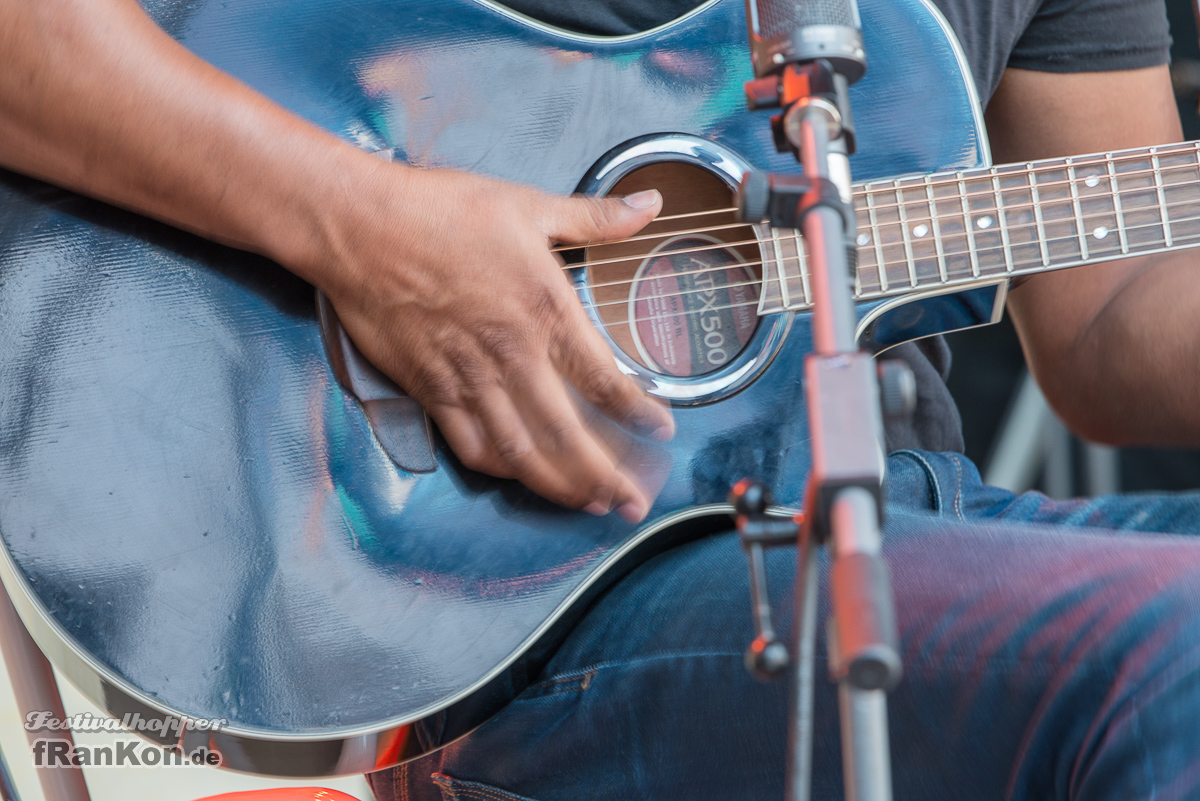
{"points": [[964, 227]]}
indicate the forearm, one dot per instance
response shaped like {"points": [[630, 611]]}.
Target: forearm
{"points": [[1131, 374], [96, 98], [485, 330], [1115, 346]]}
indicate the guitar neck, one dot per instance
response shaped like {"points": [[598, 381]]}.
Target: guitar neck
{"points": [[922, 233]]}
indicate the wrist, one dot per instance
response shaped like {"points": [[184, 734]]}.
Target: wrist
{"points": [[337, 204]]}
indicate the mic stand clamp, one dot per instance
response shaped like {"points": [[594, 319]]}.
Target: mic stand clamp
{"points": [[797, 86]]}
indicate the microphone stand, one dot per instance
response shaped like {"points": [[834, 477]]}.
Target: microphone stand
{"points": [[843, 505]]}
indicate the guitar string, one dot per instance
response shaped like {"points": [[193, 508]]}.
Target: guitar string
{"points": [[1018, 227], [663, 235], [1025, 187], [1047, 203], [1012, 227], [886, 264], [924, 202], [689, 214], [860, 296], [683, 251], [902, 286], [607, 242], [1192, 149], [885, 187], [868, 269]]}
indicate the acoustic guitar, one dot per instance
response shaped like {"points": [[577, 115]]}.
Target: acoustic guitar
{"points": [[213, 508]]}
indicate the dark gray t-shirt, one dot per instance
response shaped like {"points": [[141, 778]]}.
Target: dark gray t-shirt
{"points": [[1044, 35]]}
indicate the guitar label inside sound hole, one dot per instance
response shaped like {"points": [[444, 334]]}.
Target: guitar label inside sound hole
{"points": [[692, 306]]}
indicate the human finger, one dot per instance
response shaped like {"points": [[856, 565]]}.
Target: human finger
{"points": [[588, 364], [575, 451], [578, 220], [468, 441]]}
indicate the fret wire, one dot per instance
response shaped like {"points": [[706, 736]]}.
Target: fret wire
{"points": [[862, 189], [1028, 206], [767, 239], [1023, 267], [1134, 154], [1031, 175], [1157, 171], [1112, 184], [1034, 265], [1072, 237], [857, 272], [1067, 201], [1026, 267], [937, 229], [1162, 196], [784, 294], [1003, 223], [966, 209], [804, 267], [883, 279], [908, 251], [882, 264], [1042, 185], [1083, 251], [1037, 216]]}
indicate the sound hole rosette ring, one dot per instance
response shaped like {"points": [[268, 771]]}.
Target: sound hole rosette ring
{"points": [[756, 355]]}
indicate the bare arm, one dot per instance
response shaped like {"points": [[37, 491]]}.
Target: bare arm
{"points": [[1115, 347], [484, 331]]}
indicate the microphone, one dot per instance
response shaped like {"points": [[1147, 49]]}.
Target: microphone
{"points": [[805, 51], [786, 32]]}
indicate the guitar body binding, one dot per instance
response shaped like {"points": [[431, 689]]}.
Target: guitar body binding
{"points": [[202, 513]]}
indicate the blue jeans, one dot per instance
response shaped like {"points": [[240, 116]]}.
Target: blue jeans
{"points": [[1051, 650]]}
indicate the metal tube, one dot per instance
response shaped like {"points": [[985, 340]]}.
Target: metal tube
{"points": [[824, 233], [758, 593], [866, 764], [800, 738], [855, 523], [8, 789], [863, 713], [35, 688]]}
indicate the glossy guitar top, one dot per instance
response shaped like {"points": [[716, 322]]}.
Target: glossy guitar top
{"points": [[198, 519]]}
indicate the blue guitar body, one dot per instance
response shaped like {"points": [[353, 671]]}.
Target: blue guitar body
{"points": [[198, 517]]}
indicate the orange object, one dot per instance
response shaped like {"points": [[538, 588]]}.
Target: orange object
{"points": [[284, 794]]}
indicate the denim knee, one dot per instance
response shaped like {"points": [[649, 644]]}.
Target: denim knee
{"points": [[946, 483]]}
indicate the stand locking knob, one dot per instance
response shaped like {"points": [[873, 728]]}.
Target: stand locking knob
{"points": [[766, 657], [750, 499], [754, 199]]}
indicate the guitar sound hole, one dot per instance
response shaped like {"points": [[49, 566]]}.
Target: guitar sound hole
{"points": [[681, 297]]}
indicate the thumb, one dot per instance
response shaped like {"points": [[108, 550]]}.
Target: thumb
{"points": [[579, 220]]}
